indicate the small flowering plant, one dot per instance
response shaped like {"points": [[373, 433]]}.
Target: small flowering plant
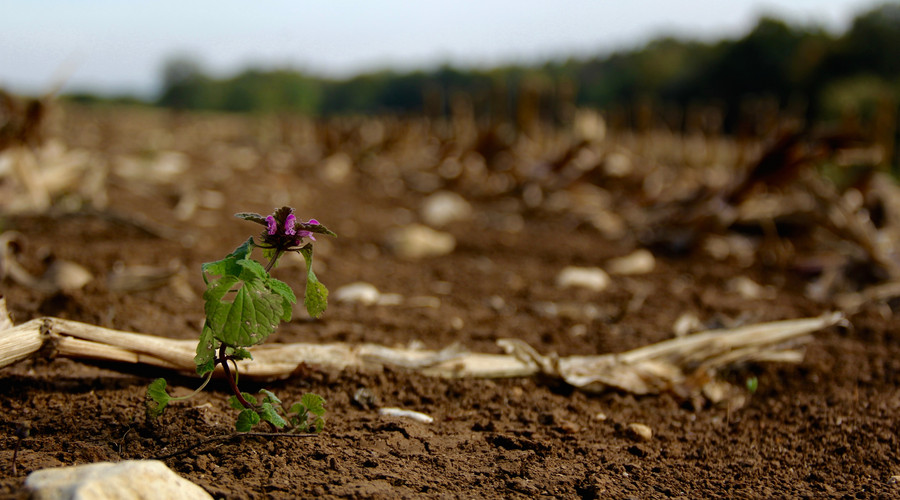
{"points": [[244, 305]]}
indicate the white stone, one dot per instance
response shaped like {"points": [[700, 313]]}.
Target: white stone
{"points": [[362, 292], [336, 168], [640, 431], [128, 480], [687, 323], [592, 278], [638, 262], [749, 289], [444, 207], [416, 241], [66, 275], [399, 412], [617, 165]]}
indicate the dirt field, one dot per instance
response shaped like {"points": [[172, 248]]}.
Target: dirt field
{"points": [[160, 190]]}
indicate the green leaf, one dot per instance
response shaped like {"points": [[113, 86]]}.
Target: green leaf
{"points": [[252, 269], [206, 351], [314, 403], [159, 398], [752, 384], [235, 403], [259, 219], [246, 420], [316, 228], [216, 290], [269, 397], [287, 296], [316, 299], [299, 409], [249, 318], [319, 424], [228, 265], [268, 413], [238, 353]]}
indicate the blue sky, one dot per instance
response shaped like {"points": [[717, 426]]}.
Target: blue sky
{"points": [[120, 45]]}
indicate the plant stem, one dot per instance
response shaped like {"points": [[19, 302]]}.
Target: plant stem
{"points": [[23, 430], [16, 456], [197, 391], [223, 358], [272, 262], [234, 388]]}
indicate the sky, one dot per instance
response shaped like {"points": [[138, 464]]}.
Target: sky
{"points": [[120, 46]]}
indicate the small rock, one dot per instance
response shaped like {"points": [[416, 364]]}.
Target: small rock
{"points": [[66, 276], [417, 241], [640, 432], [589, 125], [399, 412], [364, 293], [638, 262], [365, 398], [749, 289], [592, 278], [568, 426], [687, 323], [617, 165], [336, 168], [128, 480], [444, 207]]}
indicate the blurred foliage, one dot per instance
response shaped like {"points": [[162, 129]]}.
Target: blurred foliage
{"points": [[803, 66]]}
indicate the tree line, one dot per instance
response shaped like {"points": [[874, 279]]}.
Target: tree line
{"points": [[804, 67]]}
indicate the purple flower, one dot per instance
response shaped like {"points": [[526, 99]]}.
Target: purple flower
{"points": [[313, 221], [272, 225], [289, 225]]}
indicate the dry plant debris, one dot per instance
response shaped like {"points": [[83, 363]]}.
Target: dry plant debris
{"points": [[671, 365]]}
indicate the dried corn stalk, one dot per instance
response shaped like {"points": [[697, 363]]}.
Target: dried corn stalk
{"points": [[651, 369]]}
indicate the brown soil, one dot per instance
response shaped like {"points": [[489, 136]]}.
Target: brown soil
{"points": [[827, 427]]}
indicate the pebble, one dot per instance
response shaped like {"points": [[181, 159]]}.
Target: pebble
{"points": [[337, 168], [687, 323], [617, 165], [638, 262], [749, 289], [67, 276], [399, 412], [416, 241], [592, 278], [361, 292], [640, 431], [128, 480], [444, 207]]}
